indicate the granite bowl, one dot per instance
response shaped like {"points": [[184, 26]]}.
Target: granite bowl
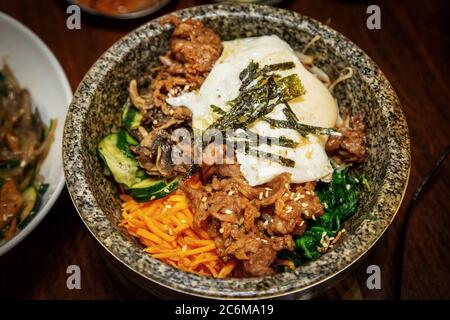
{"points": [[95, 111]]}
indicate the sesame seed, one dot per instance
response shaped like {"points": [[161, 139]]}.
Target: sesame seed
{"points": [[286, 194], [171, 112], [231, 193], [288, 209], [168, 206], [266, 194], [260, 196], [304, 204], [313, 217], [204, 199], [286, 185], [264, 240], [152, 198], [184, 248], [306, 213], [266, 222], [258, 238], [221, 230], [302, 196], [292, 196], [268, 189], [170, 231], [308, 193], [228, 211], [302, 223], [155, 122], [166, 190], [347, 186], [165, 228], [183, 221]]}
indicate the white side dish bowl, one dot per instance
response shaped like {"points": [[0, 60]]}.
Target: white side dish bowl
{"points": [[37, 70]]}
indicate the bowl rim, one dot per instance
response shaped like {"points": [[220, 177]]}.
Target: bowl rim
{"points": [[398, 137], [22, 234]]}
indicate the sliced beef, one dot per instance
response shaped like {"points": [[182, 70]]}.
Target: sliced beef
{"points": [[193, 51], [350, 146], [251, 224]]}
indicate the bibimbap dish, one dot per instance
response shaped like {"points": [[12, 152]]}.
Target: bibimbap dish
{"points": [[221, 150], [274, 187]]}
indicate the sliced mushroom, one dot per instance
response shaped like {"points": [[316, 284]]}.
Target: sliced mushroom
{"points": [[142, 103], [164, 160]]}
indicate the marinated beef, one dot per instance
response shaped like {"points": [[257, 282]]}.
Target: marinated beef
{"points": [[193, 51], [350, 146], [252, 224]]}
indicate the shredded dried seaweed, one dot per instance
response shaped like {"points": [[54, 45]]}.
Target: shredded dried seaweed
{"points": [[270, 156], [260, 91], [301, 128]]}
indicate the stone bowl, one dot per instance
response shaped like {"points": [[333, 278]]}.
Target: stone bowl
{"points": [[95, 111]]}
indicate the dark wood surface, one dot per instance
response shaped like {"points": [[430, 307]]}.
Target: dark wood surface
{"points": [[412, 48]]}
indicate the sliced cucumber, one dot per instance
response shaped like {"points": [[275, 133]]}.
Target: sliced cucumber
{"points": [[114, 150], [141, 174], [156, 190], [31, 197], [131, 117], [146, 187], [29, 201], [124, 142]]}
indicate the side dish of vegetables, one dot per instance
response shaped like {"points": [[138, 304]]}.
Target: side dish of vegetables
{"points": [[24, 144]]}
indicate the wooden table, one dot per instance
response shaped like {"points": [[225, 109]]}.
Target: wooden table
{"points": [[412, 48]]}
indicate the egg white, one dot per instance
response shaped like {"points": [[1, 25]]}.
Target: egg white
{"points": [[316, 107]]}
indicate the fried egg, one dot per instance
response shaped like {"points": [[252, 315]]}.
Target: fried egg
{"points": [[316, 107]]}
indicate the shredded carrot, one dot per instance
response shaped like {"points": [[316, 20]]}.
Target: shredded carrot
{"points": [[165, 227], [226, 270]]}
